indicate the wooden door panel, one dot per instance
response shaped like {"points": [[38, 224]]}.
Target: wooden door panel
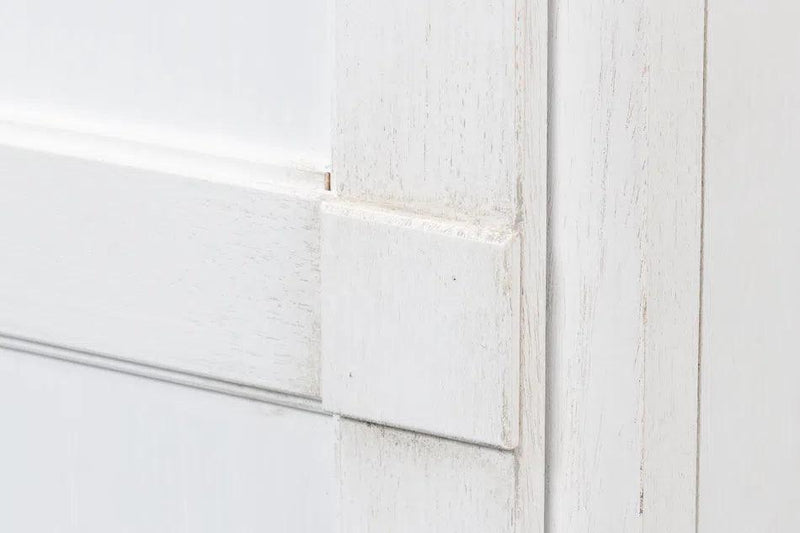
{"points": [[174, 271], [85, 449]]}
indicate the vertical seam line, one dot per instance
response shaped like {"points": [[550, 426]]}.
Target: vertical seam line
{"points": [[703, 135]]}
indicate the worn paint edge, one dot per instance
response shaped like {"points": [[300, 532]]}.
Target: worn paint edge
{"points": [[423, 433], [413, 221], [533, 64]]}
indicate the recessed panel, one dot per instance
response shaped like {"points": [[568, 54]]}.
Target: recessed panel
{"points": [[244, 77]]}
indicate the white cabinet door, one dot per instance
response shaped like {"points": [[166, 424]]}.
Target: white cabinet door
{"points": [[162, 166], [272, 266]]}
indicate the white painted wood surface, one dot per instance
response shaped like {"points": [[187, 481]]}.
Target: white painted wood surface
{"points": [[625, 145], [440, 109], [750, 408], [420, 323], [89, 451], [397, 481], [425, 114], [245, 78], [154, 223], [531, 115], [178, 377], [176, 271]]}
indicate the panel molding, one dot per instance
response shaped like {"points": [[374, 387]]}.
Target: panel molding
{"points": [[134, 368], [116, 156], [126, 146]]}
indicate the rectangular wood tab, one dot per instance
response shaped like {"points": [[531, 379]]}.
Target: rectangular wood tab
{"points": [[420, 323]]}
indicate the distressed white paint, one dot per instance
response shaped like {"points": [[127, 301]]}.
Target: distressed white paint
{"points": [[396, 481], [441, 110], [240, 77], [87, 450], [420, 323], [425, 105], [531, 115], [750, 399], [626, 108], [175, 271], [203, 259]]}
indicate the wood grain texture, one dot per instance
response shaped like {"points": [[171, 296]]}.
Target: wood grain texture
{"points": [[396, 481], [173, 271], [750, 399], [88, 450], [625, 188], [531, 115], [441, 109], [420, 323], [425, 114]]}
